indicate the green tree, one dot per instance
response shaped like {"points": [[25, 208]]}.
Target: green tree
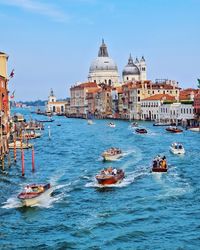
{"points": [[198, 83]]}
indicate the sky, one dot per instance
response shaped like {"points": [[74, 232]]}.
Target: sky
{"points": [[51, 44]]}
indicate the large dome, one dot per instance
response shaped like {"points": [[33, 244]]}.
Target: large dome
{"points": [[103, 63], [131, 68], [103, 69]]}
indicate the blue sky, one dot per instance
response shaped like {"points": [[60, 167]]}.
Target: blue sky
{"points": [[52, 43]]}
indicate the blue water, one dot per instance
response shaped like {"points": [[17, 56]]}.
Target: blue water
{"points": [[145, 211]]}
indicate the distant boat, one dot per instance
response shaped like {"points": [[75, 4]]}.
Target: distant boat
{"points": [[194, 129], [162, 124], [90, 122], [174, 130], [159, 165], [42, 121], [141, 131], [112, 154], [177, 148], [111, 124], [20, 145]]}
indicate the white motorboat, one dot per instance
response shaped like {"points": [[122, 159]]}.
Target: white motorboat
{"points": [[177, 148], [194, 129], [90, 122], [112, 154], [34, 193], [112, 125]]}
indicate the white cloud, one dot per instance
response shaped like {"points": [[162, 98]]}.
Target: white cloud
{"points": [[38, 7]]}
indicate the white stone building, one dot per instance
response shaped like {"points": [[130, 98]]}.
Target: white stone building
{"points": [[54, 106], [135, 71], [103, 69]]}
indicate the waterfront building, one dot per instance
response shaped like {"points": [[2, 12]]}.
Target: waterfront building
{"points": [[134, 71], [4, 105], [54, 106], [103, 69], [197, 104], [136, 91], [78, 100], [150, 107]]}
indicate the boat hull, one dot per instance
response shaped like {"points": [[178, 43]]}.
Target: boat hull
{"points": [[171, 130], [159, 170], [141, 131], [107, 157], [194, 129], [109, 180], [35, 200], [177, 151]]}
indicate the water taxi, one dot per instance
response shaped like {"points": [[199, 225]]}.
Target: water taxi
{"points": [[194, 129], [111, 124], [177, 148], [141, 131], [134, 124], [18, 144], [159, 165], [90, 122], [174, 130], [112, 154], [33, 193], [110, 176]]}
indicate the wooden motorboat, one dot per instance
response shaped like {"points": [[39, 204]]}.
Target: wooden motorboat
{"points": [[141, 131], [33, 193], [110, 176], [174, 130], [159, 170], [20, 145], [159, 165], [177, 148], [42, 121], [112, 154]]}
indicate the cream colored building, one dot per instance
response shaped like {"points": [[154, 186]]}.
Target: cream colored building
{"points": [[3, 64], [54, 106]]}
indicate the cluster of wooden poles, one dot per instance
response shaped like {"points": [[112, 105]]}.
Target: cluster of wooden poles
{"points": [[8, 157]]}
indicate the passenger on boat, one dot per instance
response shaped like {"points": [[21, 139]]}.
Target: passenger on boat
{"points": [[164, 162], [28, 189], [114, 172]]}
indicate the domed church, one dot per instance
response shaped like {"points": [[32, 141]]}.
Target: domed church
{"points": [[134, 71], [103, 69]]}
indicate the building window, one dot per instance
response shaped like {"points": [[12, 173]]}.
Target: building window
{"points": [[54, 109], [127, 78], [138, 91], [138, 99], [109, 81]]}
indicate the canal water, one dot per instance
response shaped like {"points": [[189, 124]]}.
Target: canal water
{"points": [[145, 211]]}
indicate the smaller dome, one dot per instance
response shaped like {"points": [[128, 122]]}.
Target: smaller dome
{"points": [[131, 68]]}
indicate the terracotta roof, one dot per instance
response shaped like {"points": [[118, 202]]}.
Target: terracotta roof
{"points": [[93, 90], [85, 85], [185, 94], [160, 97]]}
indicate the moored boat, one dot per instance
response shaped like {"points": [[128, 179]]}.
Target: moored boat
{"points": [[33, 193], [194, 129], [112, 154], [110, 176], [159, 165], [177, 148], [174, 130], [19, 145], [31, 135], [161, 124], [141, 131]]}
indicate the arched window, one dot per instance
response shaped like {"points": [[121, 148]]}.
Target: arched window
{"points": [[109, 81]]}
